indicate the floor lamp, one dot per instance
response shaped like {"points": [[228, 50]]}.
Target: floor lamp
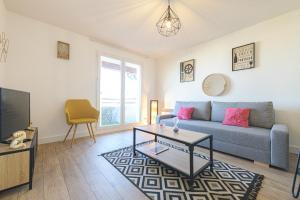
{"points": [[153, 111]]}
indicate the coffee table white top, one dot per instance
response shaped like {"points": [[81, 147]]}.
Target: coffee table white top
{"points": [[185, 136]]}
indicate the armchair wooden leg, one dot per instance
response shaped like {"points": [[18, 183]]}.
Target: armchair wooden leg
{"points": [[87, 125], [68, 132], [92, 132], [74, 135]]}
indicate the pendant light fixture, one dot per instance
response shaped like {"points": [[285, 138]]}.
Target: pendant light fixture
{"points": [[169, 23]]}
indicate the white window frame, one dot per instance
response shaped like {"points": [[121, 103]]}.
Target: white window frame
{"points": [[122, 124]]}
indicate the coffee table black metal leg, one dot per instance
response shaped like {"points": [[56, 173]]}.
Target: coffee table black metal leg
{"points": [[191, 181], [211, 159], [155, 138], [133, 147]]}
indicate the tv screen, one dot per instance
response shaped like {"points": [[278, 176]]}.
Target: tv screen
{"points": [[14, 112]]}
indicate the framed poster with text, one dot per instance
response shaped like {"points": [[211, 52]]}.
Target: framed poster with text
{"points": [[243, 57]]}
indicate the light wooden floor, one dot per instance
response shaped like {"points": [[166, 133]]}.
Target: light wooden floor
{"points": [[75, 173]]}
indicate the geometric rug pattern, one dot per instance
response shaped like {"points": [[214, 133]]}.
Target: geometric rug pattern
{"points": [[158, 182]]}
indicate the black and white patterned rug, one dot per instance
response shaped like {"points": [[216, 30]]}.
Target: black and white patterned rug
{"points": [[159, 182]]}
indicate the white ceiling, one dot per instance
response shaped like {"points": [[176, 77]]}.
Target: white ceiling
{"points": [[130, 24]]}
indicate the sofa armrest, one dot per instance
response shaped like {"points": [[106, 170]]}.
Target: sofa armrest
{"points": [[167, 116], [280, 146]]}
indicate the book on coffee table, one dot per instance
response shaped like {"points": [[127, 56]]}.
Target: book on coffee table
{"points": [[158, 148]]}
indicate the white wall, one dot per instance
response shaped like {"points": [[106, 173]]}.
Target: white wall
{"points": [[2, 29], [33, 67], [276, 76]]}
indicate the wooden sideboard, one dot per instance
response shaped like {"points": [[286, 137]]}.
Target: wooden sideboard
{"points": [[17, 165]]}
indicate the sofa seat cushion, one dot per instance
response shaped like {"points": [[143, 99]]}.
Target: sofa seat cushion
{"points": [[83, 120], [252, 137]]}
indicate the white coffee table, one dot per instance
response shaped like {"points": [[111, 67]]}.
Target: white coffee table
{"points": [[188, 164]]}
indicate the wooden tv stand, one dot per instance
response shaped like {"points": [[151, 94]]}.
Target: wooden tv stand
{"points": [[17, 165]]}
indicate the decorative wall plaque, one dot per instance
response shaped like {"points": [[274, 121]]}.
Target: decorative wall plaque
{"points": [[243, 57], [4, 43], [187, 71], [63, 50], [214, 85]]}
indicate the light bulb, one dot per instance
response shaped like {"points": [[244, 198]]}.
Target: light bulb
{"points": [[168, 24]]}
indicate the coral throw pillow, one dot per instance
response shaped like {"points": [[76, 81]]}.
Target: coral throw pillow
{"points": [[185, 113], [237, 117]]}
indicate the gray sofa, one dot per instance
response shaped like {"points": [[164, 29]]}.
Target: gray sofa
{"points": [[264, 141]]}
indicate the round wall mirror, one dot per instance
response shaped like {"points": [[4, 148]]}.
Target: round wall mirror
{"points": [[214, 85]]}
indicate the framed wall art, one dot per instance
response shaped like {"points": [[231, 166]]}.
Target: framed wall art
{"points": [[63, 50], [4, 43], [187, 71], [243, 57]]}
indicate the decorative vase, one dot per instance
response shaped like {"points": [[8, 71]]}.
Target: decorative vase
{"points": [[175, 128]]}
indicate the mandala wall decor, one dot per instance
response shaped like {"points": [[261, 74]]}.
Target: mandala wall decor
{"points": [[4, 42], [63, 50], [187, 71], [214, 85], [243, 57]]}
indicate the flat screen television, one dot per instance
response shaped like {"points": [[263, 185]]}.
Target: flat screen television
{"points": [[14, 112]]}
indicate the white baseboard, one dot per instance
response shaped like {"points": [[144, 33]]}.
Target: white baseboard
{"points": [[58, 138]]}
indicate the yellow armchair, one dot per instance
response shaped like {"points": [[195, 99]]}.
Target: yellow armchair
{"points": [[80, 111]]}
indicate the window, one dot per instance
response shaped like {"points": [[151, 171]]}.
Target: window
{"points": [[110, 92], [132, 93], [120, 85]]}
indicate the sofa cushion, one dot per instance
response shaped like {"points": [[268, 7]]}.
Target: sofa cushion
{"points": [[252, 137], [202, 109], [261, 114], [185, 113], [237, 117]]}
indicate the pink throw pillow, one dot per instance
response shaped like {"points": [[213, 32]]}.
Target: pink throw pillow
{"points": [[237, 117], [185, 113]]}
